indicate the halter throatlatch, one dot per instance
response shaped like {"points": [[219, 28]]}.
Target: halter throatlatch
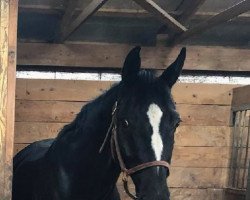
{"points": [[115, 150]]}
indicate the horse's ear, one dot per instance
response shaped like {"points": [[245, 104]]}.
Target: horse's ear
{"points": [[171, 74], [131, 65]]}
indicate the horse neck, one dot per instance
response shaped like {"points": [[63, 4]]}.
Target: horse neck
{"points": [[76, 149]]}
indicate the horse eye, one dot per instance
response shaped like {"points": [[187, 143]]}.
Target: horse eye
{"points": [[125, 123], [179, 122]]}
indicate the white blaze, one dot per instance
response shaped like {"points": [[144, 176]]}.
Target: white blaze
{"points": [[155, 114]]}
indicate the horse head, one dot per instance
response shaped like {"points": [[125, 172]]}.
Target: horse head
{"points": [[145, 120]]}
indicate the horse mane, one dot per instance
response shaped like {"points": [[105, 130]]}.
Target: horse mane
{"points": [[81, 119], [89, 109]]}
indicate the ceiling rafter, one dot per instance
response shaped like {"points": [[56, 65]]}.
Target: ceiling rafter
{"points": [[221, 17], [67, 17], [187, 10], [177, 31], [152, 7], [68, 26]]}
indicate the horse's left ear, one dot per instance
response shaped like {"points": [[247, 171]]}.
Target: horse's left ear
{"points": [[131, 65], [171, 74]]}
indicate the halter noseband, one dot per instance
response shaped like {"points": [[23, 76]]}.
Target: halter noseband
{"points": [[115, 150]]}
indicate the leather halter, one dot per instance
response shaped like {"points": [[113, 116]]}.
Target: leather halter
{"points": [[115, 150]]}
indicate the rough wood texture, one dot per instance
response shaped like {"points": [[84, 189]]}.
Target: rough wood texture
{"points": [[67, 17], [156, 10], [202, 142], [60, 111], [82, 17], [195, 178], [8, 26], [241, 98], [11, 85], [67, 90], [234, 194], [209, 115], [248, 185], [113, 55], [187, 194], [4, 22], [222, 17], [200, 157], [188, 9], [203, 136]]}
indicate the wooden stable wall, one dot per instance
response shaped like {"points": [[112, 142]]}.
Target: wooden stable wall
{"points": [[202, 149], [8, 37]]}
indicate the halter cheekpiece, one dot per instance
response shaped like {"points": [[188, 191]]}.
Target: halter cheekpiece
{"points": [[115, 150]]}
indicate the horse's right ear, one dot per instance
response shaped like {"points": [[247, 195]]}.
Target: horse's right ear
{"points": [[132, 64]]}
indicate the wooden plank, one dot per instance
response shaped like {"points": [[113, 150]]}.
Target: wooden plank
{"points": [[4, 22], [181, 177], [61, 90], [234, 151], [189, 177], [222, 17], [156, 10], [183, 193], [120, 12], [83, 16], [241, 97], [196, 194], [248, 185], [207, 115], [47, 111], [8, 26], [198, 177], [58, 111], [186, 193], [69, 90], [67, 17], [206, 136], [28, 132], [188, 9], [11, 85], [185, 136], [113, 55], [201, 157], [232, 194], [193, 93]]}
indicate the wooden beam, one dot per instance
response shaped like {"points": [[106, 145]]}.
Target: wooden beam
{"points": [[166, 18], [11, 90], [70, 90], [187, 9], [241, 98], [222, 17], [114, 12], [248, 184], [8, 35], [83, 16], [112, 56], [67, 17]]}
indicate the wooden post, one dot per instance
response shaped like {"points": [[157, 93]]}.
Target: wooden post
{"points": [[248, 184], [8, 39]]}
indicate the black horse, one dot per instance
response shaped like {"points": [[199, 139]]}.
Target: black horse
{"points": [[85, 160]]}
